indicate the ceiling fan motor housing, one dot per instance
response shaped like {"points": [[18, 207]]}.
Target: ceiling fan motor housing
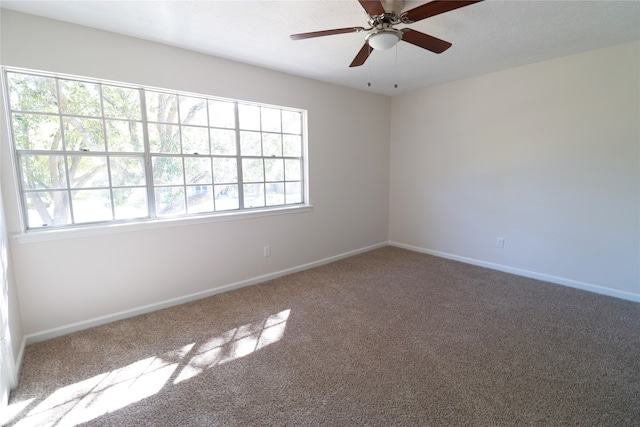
{"points": [[393, 6], [384, 36]]}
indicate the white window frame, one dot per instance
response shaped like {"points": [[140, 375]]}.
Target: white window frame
{"points": [[153, 219]]}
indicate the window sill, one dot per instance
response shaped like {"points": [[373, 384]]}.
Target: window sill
{"points": [[41, 235]]}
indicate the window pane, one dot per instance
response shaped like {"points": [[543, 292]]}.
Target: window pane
{"points": [[43, 172], [91, 206], [292, 170], [225, 170], [32, 93], [292, 145], [250, 144], [195, 140], [193, 111], [198, 170], [83, 150], [271, 121], [88, 171], [80, 98], [130, 203], [121, 103], [83, 134], [275, 194], [222, 114], [124, 136], [47, 208], [167, 170], [37, 132], [292, 122], [223, 142], [272, 144], [249, 116], [252, 170], [253, 195], [162, 107], [274, 170], [164, 138], [170, 201], [127, 171], [199, 199], [293, 192], [226, 197]]}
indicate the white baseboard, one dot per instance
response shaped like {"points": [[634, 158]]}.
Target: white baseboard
{"points": [[63, 330], [74, 327], [526, 273]]}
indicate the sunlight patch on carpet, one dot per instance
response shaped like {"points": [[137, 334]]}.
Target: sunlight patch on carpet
{"points": [[93, 397], [86, 400], [235, 343], [11, 411]]}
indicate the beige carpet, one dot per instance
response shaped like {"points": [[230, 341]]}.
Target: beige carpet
{"points": [[389, 337]]}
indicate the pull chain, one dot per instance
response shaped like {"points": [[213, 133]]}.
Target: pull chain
{"points": [[369, 68], [395, 85]]}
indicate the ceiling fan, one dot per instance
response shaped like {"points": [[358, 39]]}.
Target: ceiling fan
{"points": [[383, 15]]}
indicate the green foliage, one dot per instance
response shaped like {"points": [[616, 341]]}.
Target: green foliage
{"points": [[81, 147], [32, 93]]}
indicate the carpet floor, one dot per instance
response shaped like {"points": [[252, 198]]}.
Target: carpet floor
{"points": [[385, 338]]}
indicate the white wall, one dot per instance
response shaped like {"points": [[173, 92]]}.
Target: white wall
{"points": [[62, 282], [545, 155], [11, 318]]}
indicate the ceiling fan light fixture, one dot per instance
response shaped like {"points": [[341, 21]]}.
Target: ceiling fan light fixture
{"points": [[384, 39]]}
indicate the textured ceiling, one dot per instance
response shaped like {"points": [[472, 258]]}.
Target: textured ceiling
{"points": [[486, 36]]}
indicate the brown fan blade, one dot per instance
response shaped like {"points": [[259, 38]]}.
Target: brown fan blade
{"points": [[372, 7], [362, 56], [436, 7], [425, 41], [325, 33]]}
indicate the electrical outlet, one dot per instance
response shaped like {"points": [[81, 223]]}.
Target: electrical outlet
{"points": [[267, 250], [500, 242]]}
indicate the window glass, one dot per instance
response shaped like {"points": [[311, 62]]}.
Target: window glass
{"points": [[195, 140], [249, 117], [80, 98], [170, 201], [292, 122], [193, 111], [271, 121], [32, 93], [130, 203], [121, 102], [82, 134], [93, 152], [167, 170], [89, 171], [222, 114], [127, 171], [164, 138], [124, 136], [161, 107], [37, 132]]}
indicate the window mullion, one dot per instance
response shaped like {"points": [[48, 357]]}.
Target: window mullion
{"points": [[239, 159], [65, 157], [148, 170]]}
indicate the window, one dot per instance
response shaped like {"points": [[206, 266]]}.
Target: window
{"points": [[90, 152]]}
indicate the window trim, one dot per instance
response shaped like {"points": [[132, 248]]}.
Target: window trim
{"points": [[82, 231], [28, 235]]}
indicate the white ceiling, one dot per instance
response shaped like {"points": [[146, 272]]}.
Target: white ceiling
{"points": [[487, 36]]}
